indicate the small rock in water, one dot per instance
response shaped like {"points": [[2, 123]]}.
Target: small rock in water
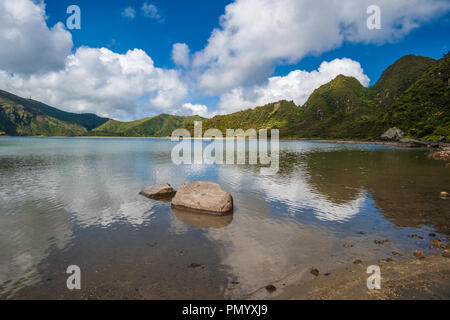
{"points": [[327, 274], [271, 288], [348, 245], [395, 253], [315, 272], [158, 192], [432, 235], [152, 244], [418, 253], [415, 236], [195, 265], [357, 262], [439, 244]]}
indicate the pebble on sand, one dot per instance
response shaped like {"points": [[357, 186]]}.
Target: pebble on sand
{"points": [[271, 288], [418, 253], [446, 253], [315, 272]]}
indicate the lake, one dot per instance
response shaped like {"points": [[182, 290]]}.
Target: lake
{"points": [[75, 201]]}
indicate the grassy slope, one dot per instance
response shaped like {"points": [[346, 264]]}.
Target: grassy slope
{"points": [[423, 111], [15, 119], [19, 116], [338, 109], [159, 126], [398, 77], [87, 120], [273, 115]]}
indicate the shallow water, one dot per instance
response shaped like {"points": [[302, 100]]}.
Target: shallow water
{"points": [[75, 201]]}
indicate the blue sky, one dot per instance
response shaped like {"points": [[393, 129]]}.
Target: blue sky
{"points": [[192, 22], [242, 66]]}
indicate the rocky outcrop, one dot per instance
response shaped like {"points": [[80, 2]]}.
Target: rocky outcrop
{"points": [[392, 134], [203, 196], [158, 192]]}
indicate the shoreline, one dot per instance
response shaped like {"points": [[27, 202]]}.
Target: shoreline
{"points": [[408, 143]]}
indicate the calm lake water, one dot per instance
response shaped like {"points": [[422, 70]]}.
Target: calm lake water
{"points": [[75, 201]]}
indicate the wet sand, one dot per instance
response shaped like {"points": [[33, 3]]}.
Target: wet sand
{"points": [[425, 278]]}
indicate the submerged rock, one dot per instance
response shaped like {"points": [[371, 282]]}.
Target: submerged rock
{"points": [[203, 196], [201, 220], [162, 191]]}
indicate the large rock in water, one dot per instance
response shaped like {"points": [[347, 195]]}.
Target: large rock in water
{"points": [[393, 134], [203, 196], [162, 191]]}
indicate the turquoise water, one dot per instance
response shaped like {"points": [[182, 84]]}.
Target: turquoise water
{"points": [[75, 201]]}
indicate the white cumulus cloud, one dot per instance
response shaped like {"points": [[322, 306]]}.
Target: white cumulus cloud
{"points": [[297, 86], [27, 44], [180, 54], [189, 109], [129, 13], [151, 11], [123, 86], [256, 35]]}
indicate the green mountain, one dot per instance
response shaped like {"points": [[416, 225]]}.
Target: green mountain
{"points": [[26, 117], [423, 111], [412, 94], [159, 126], [341, 108], [397, 78], [19, 116], [274, 115]]}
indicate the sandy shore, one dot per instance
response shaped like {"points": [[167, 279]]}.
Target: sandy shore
{"points": [[405, 279]]}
